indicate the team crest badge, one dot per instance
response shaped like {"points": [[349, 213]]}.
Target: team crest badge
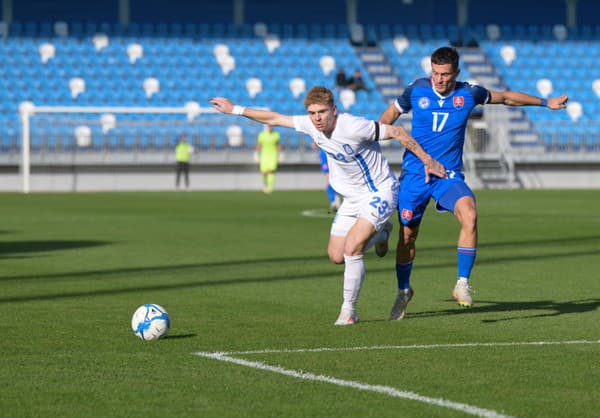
{"points": [[407, 214], [423, 102], [458, 102]]}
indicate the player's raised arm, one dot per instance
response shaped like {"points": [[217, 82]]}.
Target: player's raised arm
{"points": [[431, 166], [269, 117], [515, 98]]}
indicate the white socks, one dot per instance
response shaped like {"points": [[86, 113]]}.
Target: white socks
{"points": [[354, 273]]}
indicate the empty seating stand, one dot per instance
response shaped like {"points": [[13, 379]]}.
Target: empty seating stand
{"points": [[172, 64]]}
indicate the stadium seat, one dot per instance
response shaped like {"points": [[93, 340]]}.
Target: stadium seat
{"points": [[574, 110], [253, 86], [347, 98], [327, 63], [185, 65], [544, 87], [297, 86], [508, 54]]}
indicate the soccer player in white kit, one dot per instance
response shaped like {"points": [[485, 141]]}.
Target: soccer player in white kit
{"points": [[358, 171]]}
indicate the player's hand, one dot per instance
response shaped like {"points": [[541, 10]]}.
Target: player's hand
{"points": [[559, 102], [222, 104], [433, 167], [281, 157]]}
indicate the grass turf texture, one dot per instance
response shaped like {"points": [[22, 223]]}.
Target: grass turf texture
{"points": [[245, 271]]}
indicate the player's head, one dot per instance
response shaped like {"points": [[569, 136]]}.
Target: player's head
{"points": [[444, 69], [321, 108]]}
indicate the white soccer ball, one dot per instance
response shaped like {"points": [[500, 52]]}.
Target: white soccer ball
{"points": [[150, 322]]}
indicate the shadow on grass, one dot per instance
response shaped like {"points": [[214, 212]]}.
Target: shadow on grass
{"points": [[179, 336], [516, 310], [21, 249], [202, 270]]}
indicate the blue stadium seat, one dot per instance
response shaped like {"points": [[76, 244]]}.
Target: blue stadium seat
{"points": [[181, 56]]}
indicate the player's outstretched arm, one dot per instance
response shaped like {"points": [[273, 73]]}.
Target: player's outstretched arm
{"points": [[431, 166], [269, 117], [516, 98]]}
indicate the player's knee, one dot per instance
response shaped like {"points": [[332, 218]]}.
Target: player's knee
{"points": [[353, 251], [407, 237], [336, 257], [468, 218], [353, 247]]}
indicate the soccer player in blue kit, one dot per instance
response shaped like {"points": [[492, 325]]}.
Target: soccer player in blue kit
{"points": [[441, 106]]}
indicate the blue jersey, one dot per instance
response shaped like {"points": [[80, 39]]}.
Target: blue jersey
{"points": [[439, 122]]}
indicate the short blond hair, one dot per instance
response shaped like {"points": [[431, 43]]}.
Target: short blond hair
{"points": [[319, 95]]}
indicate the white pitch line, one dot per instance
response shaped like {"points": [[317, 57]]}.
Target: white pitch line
{"points": [[317, 213], [386, 390], [408, 347]]}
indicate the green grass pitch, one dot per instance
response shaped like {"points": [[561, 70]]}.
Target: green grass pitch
{"points": [[244, 271]]}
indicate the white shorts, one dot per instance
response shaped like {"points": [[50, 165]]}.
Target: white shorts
{"points": [[377, 208]]}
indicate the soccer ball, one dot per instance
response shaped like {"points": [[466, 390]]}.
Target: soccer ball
{"points": [[150, 322]]}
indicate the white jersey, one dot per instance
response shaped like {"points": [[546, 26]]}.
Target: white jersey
{"points": [[356, 163]]}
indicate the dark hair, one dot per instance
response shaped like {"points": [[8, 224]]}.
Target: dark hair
{"points": [[445, 55]]}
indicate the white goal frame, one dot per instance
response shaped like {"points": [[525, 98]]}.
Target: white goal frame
{"points": [[28, 109]]}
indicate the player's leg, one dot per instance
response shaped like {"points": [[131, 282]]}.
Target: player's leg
{"points": [[384, 202], [263, 177], [267, 168], [353, 273], [354, 269], [186, 172], [380, 240], [405, 254], [270, 181], [460, 199], [375, 211], [412, 201], [177, 174]]}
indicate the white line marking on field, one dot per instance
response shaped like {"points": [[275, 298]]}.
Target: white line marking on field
{"points": [[416, 346], [317, 213], [386, 390]]}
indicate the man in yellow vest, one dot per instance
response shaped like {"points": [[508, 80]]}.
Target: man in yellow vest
{"points": [[182, 157], [268, 146]]}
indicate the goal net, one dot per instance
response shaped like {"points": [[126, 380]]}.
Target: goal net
{"points": [[101, 135]]}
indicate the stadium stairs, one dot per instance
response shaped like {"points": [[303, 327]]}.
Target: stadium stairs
{"points": [[381, 71]]}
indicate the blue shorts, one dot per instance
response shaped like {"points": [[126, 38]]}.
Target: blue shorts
{"points": [[415, 194]]}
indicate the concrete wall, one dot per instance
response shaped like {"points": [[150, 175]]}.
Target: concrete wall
{"points": [[63, 178], [559, 176]]}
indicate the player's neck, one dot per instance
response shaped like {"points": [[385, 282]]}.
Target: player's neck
{"points": [[329, 132]]}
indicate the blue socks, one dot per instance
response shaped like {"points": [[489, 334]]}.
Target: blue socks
{"points": [[403, 274], [466, 259]]}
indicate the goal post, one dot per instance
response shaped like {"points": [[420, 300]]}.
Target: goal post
{"points": [[50, 131]]}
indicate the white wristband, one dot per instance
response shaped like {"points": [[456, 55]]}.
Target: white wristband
{"points": [[238, 110]]}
